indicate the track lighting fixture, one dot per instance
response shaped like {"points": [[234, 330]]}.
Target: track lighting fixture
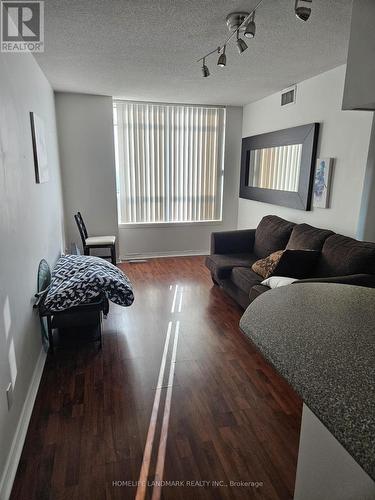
{"points": [[250, 27], [244, 22], [205, 70], [241, 44], [302, 12], [222, 61]]}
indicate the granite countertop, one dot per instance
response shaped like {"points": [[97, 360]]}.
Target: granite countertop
{"points": [[321, 338]]}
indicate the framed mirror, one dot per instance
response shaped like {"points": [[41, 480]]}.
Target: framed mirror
{"points": [[278, 167]]}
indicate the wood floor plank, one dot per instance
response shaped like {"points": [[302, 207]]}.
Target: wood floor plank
{"points": [[233, 418]]}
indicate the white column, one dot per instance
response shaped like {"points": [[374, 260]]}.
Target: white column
{"points": [[325, 470]]}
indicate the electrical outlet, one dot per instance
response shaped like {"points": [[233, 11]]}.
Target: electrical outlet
{"points": [[9, 392]]}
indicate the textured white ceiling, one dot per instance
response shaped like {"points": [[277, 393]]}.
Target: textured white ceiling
{"points": [[146, 50]]}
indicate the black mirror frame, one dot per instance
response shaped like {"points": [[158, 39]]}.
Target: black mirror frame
{"points": [[307, 135]]}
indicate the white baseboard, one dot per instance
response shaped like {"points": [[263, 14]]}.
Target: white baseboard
{"points": [[14, 456], [155, 255]]}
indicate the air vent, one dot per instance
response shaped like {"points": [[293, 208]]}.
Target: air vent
{"points": [[288, 96]]}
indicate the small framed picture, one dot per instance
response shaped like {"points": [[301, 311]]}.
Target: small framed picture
{"points": [[39, 148], [322, 182]]}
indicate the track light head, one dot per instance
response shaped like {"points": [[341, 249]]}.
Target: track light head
{"points": [[205, 70], [241, 44], [250, 28], [303, 13], [222, 61]]}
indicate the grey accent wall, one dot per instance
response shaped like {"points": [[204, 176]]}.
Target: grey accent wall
{"points": [[31, 228], [85, 132], [177, 239]]}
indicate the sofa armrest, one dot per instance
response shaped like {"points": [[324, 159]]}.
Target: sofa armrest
{"points": [[367, 280], [257, 290], [226, 242]]}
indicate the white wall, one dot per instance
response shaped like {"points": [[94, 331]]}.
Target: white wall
{"points": [[359, 91], [30, 229], [325, 470], [188, 238], [85, 131], [366, 223], [344, 135]]}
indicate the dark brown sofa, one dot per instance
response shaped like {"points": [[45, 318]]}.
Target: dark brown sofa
{"points": [[341, 259]]}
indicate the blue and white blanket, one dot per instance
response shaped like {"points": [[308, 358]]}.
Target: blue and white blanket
{"points": [[79, 279]]}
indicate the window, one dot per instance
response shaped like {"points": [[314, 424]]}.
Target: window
{"points": [[169, 162]]}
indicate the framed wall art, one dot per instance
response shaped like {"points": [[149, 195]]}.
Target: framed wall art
{"points": [[322, 182]]}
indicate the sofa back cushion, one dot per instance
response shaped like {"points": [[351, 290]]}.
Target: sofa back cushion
{"points": [[306, 237], [342, 256], [271, 235], [296, 263]]}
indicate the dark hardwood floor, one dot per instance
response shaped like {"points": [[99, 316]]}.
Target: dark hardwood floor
{"points": [[232, 418]]}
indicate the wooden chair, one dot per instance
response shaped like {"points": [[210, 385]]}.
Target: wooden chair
{"points": [[89, 242]]}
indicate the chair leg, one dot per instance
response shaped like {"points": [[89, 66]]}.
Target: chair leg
{"points": [[86, 250], [113, 255], [100, 331]]}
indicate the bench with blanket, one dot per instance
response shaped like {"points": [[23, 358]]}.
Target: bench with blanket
{"points": [[78, 291]]}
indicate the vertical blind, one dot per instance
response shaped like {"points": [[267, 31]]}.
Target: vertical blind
{"points": [[169, 162]]}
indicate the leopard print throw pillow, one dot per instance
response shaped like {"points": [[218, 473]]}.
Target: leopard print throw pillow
{"points": [[265, 267]]}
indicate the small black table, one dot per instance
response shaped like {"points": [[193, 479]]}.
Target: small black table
{"points": [[82, 316]]}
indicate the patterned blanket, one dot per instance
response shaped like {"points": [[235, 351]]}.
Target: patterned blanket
{"points": [[79, 279]]}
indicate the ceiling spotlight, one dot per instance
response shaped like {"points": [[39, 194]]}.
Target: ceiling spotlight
{"points": [[241, 45], [250, 27], [222, 61], [302, 12], [243, 24], [205, 70]]}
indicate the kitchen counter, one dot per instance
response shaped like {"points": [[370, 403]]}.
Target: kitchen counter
{"points": [[321, 338]]}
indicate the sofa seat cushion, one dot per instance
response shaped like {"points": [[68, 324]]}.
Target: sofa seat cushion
{"points": [[100, 240], [342, 256], [221, 265], [244, 278], [272, 234], [306, 237]]}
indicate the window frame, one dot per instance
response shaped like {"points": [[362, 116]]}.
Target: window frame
{"points": [[161, 224]]}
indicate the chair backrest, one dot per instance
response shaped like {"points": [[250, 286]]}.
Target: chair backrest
{"points": [[81, 227]]}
